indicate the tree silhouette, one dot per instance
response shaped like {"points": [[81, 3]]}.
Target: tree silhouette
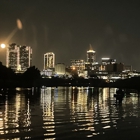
{"points": [[31, 74], [6, 73]]}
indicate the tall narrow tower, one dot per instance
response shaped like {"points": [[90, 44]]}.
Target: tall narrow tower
{"points": [[91, 55], [12, 56], [25, 57], [49, 60]]}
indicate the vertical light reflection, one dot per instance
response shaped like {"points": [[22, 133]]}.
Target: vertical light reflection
{"points": [[28, 114], [47, 104], [11, 115], [102, 111], [15, 118], [82, 102], [23, 111], [3, 118], [17, 107], [82, 110]]}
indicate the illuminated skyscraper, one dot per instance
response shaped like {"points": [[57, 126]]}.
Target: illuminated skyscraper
{"points": [[78, 64], [91, 55], [49, 60], [106, 61], [25, 57], [18, 58]]}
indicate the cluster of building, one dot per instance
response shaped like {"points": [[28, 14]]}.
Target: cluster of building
{"points": [[108, 68], [19, 58]]}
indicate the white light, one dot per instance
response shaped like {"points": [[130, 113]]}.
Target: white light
{"points": [[2, 45], [90, 51], [115, 77], [105, 58]]}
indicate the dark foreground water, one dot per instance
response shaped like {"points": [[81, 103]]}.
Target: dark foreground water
{"points": [[67, 113]]}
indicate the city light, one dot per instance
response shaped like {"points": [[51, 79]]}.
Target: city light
{"points": [[90, 51], [105, 58]]}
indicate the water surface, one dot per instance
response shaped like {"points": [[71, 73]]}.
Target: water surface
{"points": [[67, 113]]}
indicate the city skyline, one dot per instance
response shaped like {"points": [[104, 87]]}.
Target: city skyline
{"points": [[49, 59], [68, 27]]}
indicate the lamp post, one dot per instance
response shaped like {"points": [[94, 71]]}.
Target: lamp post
{"points": [[3, 46], [3, 53]]}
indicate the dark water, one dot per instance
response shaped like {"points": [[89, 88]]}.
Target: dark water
{"points": [[67, 113]]}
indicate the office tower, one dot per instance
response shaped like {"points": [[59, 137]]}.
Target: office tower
{"points": [[18, 58], [49, 60], [91, 60], [12, 56], [25, 57], [91, 55], [106, 61], [78, 64]]}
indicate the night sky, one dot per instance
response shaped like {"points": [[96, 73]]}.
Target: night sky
{"points": [[67, 27]]}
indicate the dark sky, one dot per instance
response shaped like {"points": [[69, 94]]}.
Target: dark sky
{"points": [[67, 27]]}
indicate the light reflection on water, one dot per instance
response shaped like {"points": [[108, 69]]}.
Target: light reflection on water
{"points": [[65, 113]]}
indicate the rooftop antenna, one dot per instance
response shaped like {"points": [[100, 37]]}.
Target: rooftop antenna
{"points": [[90, 47]]}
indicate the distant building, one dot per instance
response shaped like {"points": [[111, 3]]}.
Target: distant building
{"points": [[18, 58], [25, 57], [115, 67], [46, 73], [127, 68], [105, 62], [91, 55], [49, 60], [60, 69], [78, 65], [91, 63]]}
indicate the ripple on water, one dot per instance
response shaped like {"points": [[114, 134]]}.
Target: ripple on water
{"points": [[63, 114]]}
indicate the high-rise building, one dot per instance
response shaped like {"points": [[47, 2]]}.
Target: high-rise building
{"points": [[49, 60], [91, 60], [78, 64], [25, 57], [18, 58], [106, 61], [91, 55]]}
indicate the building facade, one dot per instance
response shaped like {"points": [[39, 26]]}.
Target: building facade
{"points": [[91, 63], [49, 60], [91, 56], [25, 57], [106, 61], [18, 58], [60, 69], [78, 64]]}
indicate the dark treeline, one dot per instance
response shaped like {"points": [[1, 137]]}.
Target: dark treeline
{"points": [[129, 83], [10, 79], [32, 78], [76, 81]]}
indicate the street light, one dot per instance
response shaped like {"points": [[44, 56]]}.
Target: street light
{"points": [[2, 46], [3, 53]]}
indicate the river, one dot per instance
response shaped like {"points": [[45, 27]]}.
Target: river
{"points": [[68, 113]]}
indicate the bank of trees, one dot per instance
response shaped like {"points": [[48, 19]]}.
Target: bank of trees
{"points": [[8, 78], [31, 77]]}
